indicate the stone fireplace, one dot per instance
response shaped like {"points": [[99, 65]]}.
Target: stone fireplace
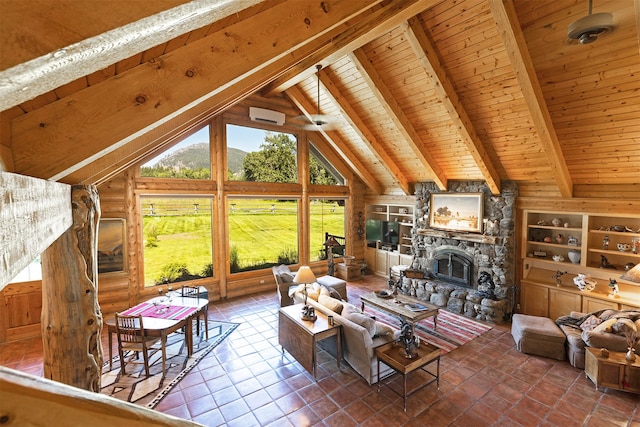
{"points": [[452, 262]]}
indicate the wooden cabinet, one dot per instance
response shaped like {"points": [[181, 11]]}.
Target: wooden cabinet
{"points": [[380, 261], [401, 215], [561, 303], [591, 236], [593, 304], [613, 371], [535, 299]]}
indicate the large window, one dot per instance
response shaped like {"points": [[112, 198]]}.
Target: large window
{"points": [[190, 159], [321, 171], [258, 155], [177, 239], [262, 233], [326, 219]]}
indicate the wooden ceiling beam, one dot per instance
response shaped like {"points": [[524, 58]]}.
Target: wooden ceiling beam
{"points": [[333, 139], [28, 80], [378, 23], [29, 207], [504, 14], [102, 118], [396, 114], [360, 127], [428, 56]]}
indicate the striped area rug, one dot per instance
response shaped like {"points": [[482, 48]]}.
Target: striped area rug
{"points": [[453, 330]]}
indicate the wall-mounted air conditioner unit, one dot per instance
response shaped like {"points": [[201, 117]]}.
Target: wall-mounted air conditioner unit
{"points": [[267, 116]]}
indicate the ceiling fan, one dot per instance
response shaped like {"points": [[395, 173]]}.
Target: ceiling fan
{"points": [[316, 121], [587, 29]]}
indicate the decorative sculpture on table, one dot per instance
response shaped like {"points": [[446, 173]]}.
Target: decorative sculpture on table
{"points": [[330, 244], [604, 262], [558, 277], [408, 340]]}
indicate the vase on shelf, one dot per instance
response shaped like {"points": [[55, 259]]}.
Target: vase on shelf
{"points": [[574, 256], [631, 354]]}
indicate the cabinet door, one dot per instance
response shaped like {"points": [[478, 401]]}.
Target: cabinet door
{"points": [[370, 258], [590, 304], [610, 375], [535, 299], [394, 259], [562, 303], [632, 378], [382, 264]]}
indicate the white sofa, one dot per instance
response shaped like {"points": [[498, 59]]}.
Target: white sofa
{"points": [[358, 342]]}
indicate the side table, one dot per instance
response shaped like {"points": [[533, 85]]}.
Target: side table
{"points": [[614, 371], [299, 337], [389, 354]]}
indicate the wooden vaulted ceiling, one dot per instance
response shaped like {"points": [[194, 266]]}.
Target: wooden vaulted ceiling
{"points": [[424, 90]]}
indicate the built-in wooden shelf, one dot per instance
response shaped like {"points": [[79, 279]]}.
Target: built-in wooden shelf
{"points": [[470, 237]]}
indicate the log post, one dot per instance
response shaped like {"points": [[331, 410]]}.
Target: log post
{"points": [[71, 316]]}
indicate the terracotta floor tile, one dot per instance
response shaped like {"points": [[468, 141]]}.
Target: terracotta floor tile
{"points": [[247, 381]]}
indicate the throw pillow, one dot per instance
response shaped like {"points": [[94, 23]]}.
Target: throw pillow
{"points": [[331, 303], [351, 313], [623, 325], [605, 326], [287, 277], [590, 322], [382, 329]]}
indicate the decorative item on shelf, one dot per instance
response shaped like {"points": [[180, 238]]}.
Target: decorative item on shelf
{"points": [[330, 244], [558, 277], [567, 225], [635, 245], [584, 282], [304, 277], [572, 241], [547, 239], [628, 266], [541, 222], [604, 263], [574, 256], [624, 247], [632, 338], [632, 275], [556, 222], [605, 243], [613, 284], [559, 239], [403, 211], [558, 258]]}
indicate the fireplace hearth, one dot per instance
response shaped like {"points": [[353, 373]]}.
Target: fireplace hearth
{"points": [[452, 263]]}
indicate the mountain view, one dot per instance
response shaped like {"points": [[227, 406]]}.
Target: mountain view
{"points": [[196, 156]]}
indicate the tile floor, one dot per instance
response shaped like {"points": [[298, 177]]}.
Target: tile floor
{"points": [[247, 381]]}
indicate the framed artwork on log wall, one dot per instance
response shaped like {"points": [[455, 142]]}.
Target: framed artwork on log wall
{"points": [[111, 245]]}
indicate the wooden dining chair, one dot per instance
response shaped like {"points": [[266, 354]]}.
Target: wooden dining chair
{"points": [[194, 292], [132, 340]]}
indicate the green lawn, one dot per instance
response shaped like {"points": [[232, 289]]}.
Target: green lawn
{"points": [[260, 231]]}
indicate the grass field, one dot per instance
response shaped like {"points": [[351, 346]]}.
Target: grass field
{"points": [[259, 230]]}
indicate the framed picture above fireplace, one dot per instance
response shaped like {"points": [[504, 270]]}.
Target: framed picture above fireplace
{"points": [[456, 211]]}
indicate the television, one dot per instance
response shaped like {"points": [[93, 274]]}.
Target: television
{"points": [[382, 231], [373, 230], [390, 232]]}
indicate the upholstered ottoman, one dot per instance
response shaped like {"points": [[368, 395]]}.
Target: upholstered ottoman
{"points": [[538, 335], [335, 283]]}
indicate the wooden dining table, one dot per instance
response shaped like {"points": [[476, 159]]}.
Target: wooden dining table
{"points": [[162, 316]]}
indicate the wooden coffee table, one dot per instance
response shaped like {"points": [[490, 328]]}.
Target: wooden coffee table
{"points": [[396, 305], [613, 371], [299, 337], [390, 354]]}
